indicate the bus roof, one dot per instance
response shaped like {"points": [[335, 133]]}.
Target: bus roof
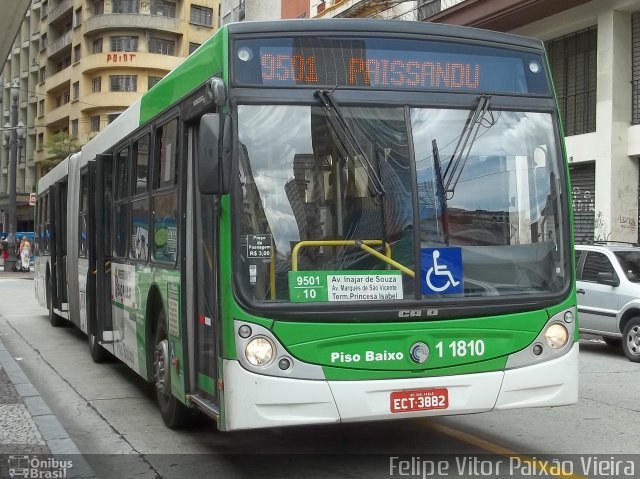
{"points": [[365, 25]]}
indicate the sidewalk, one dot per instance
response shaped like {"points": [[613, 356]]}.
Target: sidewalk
{"points": [[32, 439]]}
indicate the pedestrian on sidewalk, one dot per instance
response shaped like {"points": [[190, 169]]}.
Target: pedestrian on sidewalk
{"points": [[25, 253], [4, 245]]}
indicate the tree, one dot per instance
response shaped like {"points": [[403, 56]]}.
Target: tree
{"points": [[60, 146]]}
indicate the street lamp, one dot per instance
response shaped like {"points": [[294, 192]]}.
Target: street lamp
{"points": [[10, 263], [21, 137]]}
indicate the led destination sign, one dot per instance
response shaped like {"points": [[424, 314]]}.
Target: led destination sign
{"points": [[377, 72], [386, 64]]}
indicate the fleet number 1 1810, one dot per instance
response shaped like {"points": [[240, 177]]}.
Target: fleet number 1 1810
{"points": [[461, 348]]}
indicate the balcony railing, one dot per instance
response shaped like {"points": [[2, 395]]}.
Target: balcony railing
{"points": [[59, 10], [130, 20], [59, 44]]}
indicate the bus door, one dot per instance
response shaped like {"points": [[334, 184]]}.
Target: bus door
{"points": [[100, 247], [205, 272], [59, 245]]}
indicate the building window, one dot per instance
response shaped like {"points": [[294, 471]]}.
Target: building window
{"points": [[66, 97], [76, 54], [111, 117], [74, 128], [123, 82], [125, 6], [42, 74], [193, 47], [124, 44], [573, 66], [41, 108], [163, 8], [62, 64], [201, 15], [40, 141], [96, 85], [152, 81], [95, 123], [162, 46], [76, 90], [43, 42], [96, 47], [98, 7], [58, 101], [77, 17], [44, 11]]}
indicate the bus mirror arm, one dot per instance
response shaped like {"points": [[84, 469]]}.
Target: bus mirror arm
{"points": [[214, 154]]}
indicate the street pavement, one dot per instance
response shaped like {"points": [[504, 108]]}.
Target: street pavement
{"points": [[31, 436]]}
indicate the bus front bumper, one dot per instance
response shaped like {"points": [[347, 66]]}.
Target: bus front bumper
{"points": [[256, 401]]}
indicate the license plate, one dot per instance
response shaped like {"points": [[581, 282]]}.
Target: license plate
{"points": [[419, 400]]}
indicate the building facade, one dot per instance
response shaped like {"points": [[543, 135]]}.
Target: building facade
{"points": [[232, 11], [594, 54], [77, 64], [415, 10]]}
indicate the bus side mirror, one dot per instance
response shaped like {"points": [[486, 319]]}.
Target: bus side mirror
{"points": [[214, 154]]}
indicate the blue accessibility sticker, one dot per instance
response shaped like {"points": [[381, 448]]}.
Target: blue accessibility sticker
{"points": [[441, 271]]}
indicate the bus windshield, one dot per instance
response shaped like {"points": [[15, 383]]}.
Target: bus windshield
{"points": [[470, 204]]}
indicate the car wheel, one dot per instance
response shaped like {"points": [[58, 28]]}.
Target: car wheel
{"points": [[174, 414], [612, 342], [631, 340]]}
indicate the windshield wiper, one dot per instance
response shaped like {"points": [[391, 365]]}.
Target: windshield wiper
{"points": [[348, 141], [440, 191], [460, 154]]}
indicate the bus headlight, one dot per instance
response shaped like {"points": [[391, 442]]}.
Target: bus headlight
{"points": [[556, 336], [259, 351]]}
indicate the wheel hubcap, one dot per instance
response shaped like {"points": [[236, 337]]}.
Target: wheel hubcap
{"points": [[633, 340], [161, 359]]}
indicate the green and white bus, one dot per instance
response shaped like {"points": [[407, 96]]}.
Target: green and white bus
{"points": [[326, 221]]}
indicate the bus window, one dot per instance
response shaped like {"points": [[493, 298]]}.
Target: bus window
{"points": [[121, 230], [165, 227], [140, 163], [121, 174], [140, 229], [166, 173], [83, 216]]}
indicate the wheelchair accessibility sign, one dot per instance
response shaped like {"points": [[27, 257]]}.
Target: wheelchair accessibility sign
{"points": [[441, 271]]}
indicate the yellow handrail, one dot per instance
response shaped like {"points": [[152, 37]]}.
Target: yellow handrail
{"points": [[365, 245]]}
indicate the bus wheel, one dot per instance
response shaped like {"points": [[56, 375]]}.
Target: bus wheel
{"points": [[174, 413], [631, 340], [97, 352], [55, 320]]}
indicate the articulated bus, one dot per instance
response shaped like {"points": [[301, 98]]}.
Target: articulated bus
{"points": [[326, 221]]}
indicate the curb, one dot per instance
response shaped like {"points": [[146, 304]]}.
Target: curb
{"points": [[53, 432]]}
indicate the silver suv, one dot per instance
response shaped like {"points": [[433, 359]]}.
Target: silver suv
{"points": [[608, 287]]}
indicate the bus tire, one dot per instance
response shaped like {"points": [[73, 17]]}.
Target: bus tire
{"points": [[174, 414], [55, 320], [97, 352], [631, 339]]}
